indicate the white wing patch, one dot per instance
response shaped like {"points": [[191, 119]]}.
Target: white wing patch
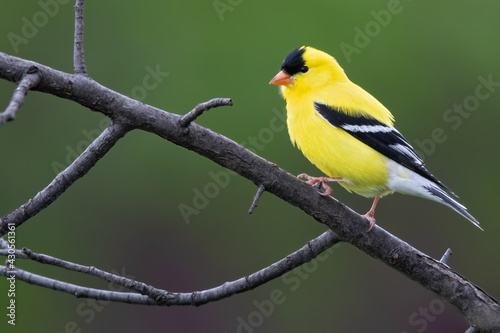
{"points": [[368, 128]]}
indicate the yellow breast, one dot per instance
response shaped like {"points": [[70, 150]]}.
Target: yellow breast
{"points": [[334, 151]]}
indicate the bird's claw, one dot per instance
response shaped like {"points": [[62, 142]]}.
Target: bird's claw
{"points": [[321, 180], [371, 220]]}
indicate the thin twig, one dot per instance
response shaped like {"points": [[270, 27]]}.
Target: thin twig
{"points": [[189, 117], [89, 270], [446, 256], [162, 297], [26, 253], [30, 80], [256, 198], [75, 290], [78, 54], [80, 166]]}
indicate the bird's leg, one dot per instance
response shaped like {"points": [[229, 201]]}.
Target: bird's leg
{"points": [[322, 180], [371, 213]]}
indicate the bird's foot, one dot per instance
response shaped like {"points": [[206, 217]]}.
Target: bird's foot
{"points": [[370, 215], [370, 219], [322, 180]]}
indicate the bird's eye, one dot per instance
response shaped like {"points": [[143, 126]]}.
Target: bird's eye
{"points": [[304, 69]]}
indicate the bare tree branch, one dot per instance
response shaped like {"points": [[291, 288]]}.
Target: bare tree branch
{"points": [[75, 290], [480, 309], [202, 107], [80, 166], [154, 296], [29, 80], [78, 54], [256, 198], [63, 286]]}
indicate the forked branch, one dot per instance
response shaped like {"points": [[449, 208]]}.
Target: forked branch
{"points": [[148, 295]]}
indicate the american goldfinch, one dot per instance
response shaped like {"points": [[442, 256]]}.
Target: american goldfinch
{"points": [[349, 135]]}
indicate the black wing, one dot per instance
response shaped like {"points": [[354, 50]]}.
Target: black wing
{"points": [[384, 139]]}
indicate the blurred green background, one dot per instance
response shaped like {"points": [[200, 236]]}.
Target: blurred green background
{"points": [[418, 58]]}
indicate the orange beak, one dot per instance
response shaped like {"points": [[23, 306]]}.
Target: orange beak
{"points": [[281, 79]]}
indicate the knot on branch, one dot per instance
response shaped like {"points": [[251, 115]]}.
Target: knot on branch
{"points": [[32, 70]]}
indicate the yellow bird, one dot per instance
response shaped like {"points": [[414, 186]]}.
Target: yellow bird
{"points": [[349, 135]]}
